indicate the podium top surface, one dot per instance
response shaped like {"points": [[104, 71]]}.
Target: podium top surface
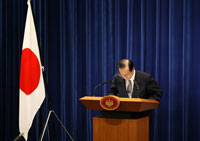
{"points": [[126, 104]]}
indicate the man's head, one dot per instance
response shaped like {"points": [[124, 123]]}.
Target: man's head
{"points": [[126, 68]]}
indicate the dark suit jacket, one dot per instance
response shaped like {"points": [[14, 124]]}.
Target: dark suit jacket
{"points": [[144, 87]]}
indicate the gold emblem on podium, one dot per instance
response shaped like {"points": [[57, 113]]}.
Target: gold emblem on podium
{"points": [[110, 102]]}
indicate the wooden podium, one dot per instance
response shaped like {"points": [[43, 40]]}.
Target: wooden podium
{"points": [[126, 123]]}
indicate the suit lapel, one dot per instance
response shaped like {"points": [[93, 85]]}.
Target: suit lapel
{"points": [[123, 86], [135, 91], [134, 94]]}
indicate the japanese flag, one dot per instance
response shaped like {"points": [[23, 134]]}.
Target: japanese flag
{"points": [[32, 92]]}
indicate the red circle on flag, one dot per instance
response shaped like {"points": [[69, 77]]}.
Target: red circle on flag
{"points": [[30, 71]]}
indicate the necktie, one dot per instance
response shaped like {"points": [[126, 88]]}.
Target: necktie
{"points": [[129, 89]]}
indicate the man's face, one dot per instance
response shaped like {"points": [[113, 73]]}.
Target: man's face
{"points": [[126, 73]]}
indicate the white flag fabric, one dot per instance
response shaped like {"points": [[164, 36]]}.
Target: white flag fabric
{"points": [[32, 92]]}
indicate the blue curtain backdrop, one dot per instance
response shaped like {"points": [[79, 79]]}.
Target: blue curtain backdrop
{"points": [[81, 42]]}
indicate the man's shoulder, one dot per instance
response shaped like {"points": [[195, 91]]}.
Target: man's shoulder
{"points": [[142, 74]]}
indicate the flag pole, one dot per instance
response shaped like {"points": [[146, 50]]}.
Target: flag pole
{"points": [[49, 104], [44, 81]]}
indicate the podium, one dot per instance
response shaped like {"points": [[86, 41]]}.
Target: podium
{"points": [[128, 122]]}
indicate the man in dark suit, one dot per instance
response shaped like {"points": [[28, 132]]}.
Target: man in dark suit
{"points": [[134, 84]]}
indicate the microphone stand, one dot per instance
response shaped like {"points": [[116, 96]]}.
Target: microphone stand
{"points": [[101, 84]]}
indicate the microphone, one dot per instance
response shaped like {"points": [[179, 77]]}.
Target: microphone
{"points": [[101, 84], [138, 90]]}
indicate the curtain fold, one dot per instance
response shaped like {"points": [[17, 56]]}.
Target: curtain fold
{"points": [[81, 42]]}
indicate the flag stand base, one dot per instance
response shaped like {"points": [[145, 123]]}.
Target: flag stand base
{"points": [[45, 126]]}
